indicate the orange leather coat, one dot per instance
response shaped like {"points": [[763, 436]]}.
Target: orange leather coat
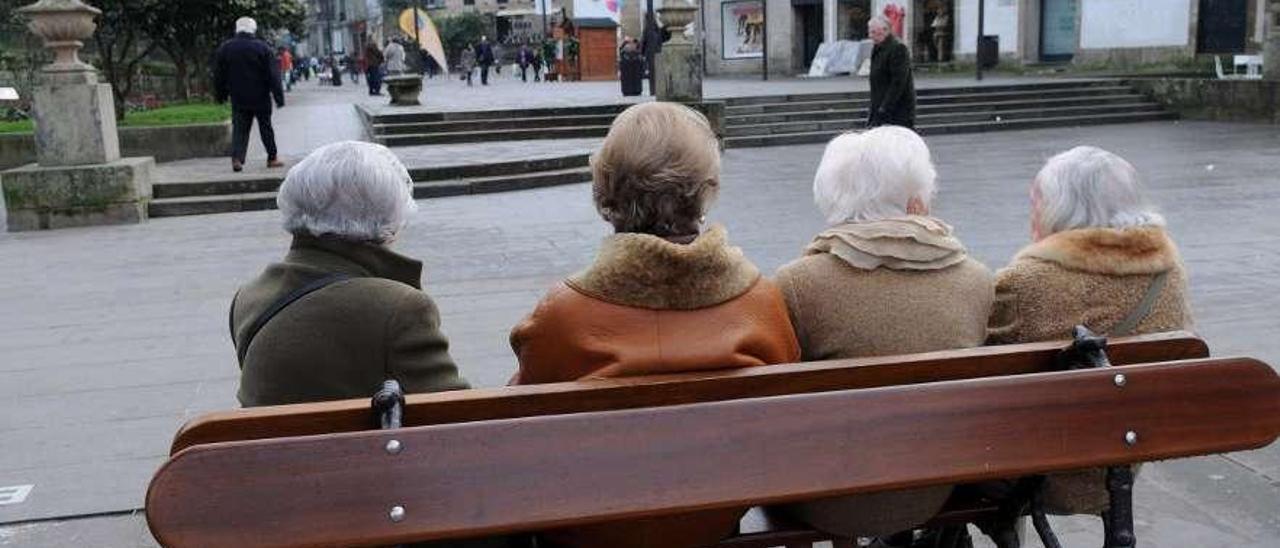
{"points": [[649, 306]]}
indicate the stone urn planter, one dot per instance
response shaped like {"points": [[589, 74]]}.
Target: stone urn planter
{"points": [[404, 89]]}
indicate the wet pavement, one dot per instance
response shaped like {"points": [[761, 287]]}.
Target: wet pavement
{"points": [[114, 336]]}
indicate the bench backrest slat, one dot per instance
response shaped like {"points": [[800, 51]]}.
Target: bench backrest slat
{"points": [[651, 391], [489, 477]]}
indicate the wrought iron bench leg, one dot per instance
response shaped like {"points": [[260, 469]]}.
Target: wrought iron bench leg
{"points": [[1117, 521], [1089, 350], [388, 403]]}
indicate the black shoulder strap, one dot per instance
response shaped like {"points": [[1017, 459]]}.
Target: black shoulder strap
{"points": [[280, 304]]}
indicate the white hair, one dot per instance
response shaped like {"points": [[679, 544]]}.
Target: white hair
{"points": [[246, 24], [882, 21], [350, 190], [1090, 187], [872, 175]]}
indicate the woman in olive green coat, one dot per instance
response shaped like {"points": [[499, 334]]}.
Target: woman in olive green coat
{"points": [[341, 312]]}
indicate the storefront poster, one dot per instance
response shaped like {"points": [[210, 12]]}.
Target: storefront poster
{"points": [[742, 29]]}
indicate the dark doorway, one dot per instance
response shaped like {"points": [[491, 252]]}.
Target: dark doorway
{"points": [[1058, 33], [1223, 26], [810, 18]]}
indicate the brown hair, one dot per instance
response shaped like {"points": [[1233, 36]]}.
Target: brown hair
{"points": [[658, 170]]}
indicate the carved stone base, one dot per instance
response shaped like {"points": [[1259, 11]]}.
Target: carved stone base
{"points": [[41, 198], [404, 89]]}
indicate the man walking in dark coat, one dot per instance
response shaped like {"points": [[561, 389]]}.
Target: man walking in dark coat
{"points": [[245, 70], [484, 58], [893, 90]]}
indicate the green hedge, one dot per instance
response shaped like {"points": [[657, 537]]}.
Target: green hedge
{"points": [[176, 115]]}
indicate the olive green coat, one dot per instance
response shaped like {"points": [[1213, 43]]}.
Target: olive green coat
{"points": [[344, 340]]}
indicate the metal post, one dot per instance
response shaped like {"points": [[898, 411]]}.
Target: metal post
{"points": [[650, 59], [417, 38], [702, 32], [546, 31], [982, 13], [764, 42]]}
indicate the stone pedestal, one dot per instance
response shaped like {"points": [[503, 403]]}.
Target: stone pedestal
{"points": [[40, 198], [75, 123], [79, 178], [679, 73], [404, 89], [679, 64]]}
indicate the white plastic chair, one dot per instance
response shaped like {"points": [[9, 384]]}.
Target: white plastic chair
{"points": [[1252, 66]]}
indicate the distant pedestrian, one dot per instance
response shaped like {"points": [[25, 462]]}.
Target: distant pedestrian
{"points": [[631, 65], [524, 58], [893, 90], [335, 71], [537, 63], [245, 71], [394, 55], [373, 59], [484, 57], [468, 62], [286, 68]]}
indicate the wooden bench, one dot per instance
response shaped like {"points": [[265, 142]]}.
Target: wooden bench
{"points": [[519, 459]]}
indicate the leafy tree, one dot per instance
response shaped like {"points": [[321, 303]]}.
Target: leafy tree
{"points": [[459, 31], [122, 43], [189, 31]]}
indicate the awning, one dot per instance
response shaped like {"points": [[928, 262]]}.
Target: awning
{"points": [[519, 12]]}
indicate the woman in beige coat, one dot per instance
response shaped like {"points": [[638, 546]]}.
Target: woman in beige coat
{"points": [[884, 278], [1100, 258]]}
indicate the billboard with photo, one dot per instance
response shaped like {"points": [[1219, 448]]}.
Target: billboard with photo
{"points": [[742, 29]]}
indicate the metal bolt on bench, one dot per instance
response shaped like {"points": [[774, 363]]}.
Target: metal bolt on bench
{"points": [[388, 403]]}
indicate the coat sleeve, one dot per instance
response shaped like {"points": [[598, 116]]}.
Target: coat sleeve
{"points": [[899, 66], [1003, 326], [417, 351], [220, 91], [787, 284]]}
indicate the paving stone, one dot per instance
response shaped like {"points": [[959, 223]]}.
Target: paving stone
{"points": [[112, 333]]}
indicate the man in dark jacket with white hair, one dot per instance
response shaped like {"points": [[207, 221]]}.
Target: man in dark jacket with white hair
{"points": [[893, 89], [245, 70]]}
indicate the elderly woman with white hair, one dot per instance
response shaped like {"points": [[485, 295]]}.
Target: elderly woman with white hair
{"points": [[341, 312], [1101, 258], [662, 296], [884, 278]]}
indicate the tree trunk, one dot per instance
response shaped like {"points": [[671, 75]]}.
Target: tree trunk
{"points": [[184, 80]]}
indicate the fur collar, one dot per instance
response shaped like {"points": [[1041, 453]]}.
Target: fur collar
{"points": [[1117, 252], [646, 271]]}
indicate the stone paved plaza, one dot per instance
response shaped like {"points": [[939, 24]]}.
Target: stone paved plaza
{"points": [[113, 336]]}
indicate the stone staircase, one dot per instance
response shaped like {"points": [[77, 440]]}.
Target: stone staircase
{"points": [[792, 119], [174, 198], [816, 118], [433, 128]]}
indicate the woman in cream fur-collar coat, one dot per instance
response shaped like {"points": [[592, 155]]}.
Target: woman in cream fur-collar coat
{"points": [[1101, 259], [883, 279]]}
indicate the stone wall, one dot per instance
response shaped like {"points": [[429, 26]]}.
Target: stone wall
{"points": [[1255, 101], [164, 143]]}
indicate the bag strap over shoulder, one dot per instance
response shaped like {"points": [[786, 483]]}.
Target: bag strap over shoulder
{"points": [[1140, 312], [243, 348]]}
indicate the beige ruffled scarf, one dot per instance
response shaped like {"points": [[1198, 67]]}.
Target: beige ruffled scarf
{"points": [[902, 243]]}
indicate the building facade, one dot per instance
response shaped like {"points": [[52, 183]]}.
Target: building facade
{"points": [[736, 33]]}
